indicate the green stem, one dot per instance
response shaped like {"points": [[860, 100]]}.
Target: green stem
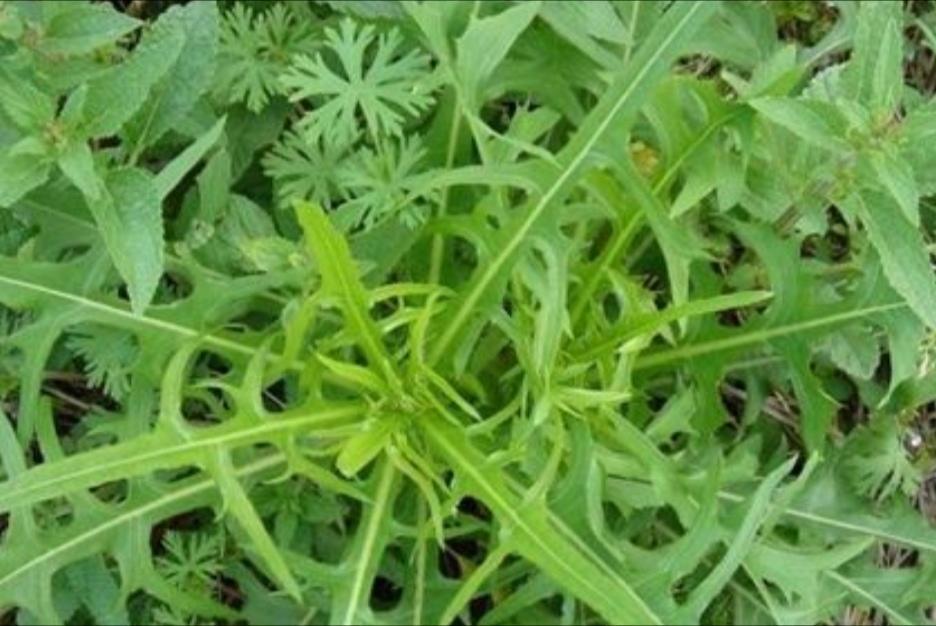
{"points": [[619, 241], [438, 241], [688, 351], [622, 237]]}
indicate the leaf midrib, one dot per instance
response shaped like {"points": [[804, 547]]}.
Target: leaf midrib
{"points": [[680, 353], [91, 227], [466, 308], [517, 521], [857, 589], [820, 519], [370, 540], [165, 500], [126, 314], [355, 302], [138, 463]]}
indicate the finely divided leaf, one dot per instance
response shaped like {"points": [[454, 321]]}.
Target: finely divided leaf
{"points": [[381, 87]]}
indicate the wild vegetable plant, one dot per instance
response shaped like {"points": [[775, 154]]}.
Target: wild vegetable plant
{"points": [[467, 312]]}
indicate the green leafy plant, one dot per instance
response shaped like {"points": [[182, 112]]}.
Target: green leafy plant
{"points": [[464, 312]]}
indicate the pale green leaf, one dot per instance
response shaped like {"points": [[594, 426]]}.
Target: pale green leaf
{"points": [[485, 43], [173, 173], [82, 28], [896, 176], [175, 95], [117, 94], [902, 251], [129, 217], [623, 97], [537, 540], [874, 76], [20, 174], [816, 122], [77, 163], [341, 281]]}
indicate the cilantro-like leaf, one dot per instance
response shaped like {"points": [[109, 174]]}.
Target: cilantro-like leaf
{"points": [[256, 48], [877, 464], [304, 170], [378, 182], [365, 74], [192, 559], [108, 354], [544, 354]]}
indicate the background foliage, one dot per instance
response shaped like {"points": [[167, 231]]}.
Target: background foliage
{"points": [[471, 312]]}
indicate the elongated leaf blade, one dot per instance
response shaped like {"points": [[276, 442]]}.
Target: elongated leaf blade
{"points": [[624, 97], [903, 253], [160, 450], [340, 279], [537, 540]]}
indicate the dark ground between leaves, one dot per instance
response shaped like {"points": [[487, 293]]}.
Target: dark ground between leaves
{"points": [[73, 396]]}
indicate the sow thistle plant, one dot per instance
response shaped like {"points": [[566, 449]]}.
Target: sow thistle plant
{"points": [[466, 312]]}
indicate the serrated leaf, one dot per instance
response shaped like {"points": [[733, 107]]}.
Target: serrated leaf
{"points": [[624, 96], [171, 99], [536, 539], [874, 76], [738, 547], [354, 374], [238, 504], [117, 94], [905, 332], [26, 105], [816, 122], [340, 279], [590, 27], [20, 174], [77, 163], [485, 43], [81, 28], [351, 595], [539, 380], [851, 350], [902, 251], [917, 132], [650, 323], [364, 447], [129, 217], [161, 449], [896, 176]]}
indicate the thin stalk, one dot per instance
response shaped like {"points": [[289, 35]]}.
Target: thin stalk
{"points": [[438, 241], [622, 237], [619, 241], [419, 597]]}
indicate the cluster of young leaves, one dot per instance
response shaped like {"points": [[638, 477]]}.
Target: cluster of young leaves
{"points": [[502, 312]]}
